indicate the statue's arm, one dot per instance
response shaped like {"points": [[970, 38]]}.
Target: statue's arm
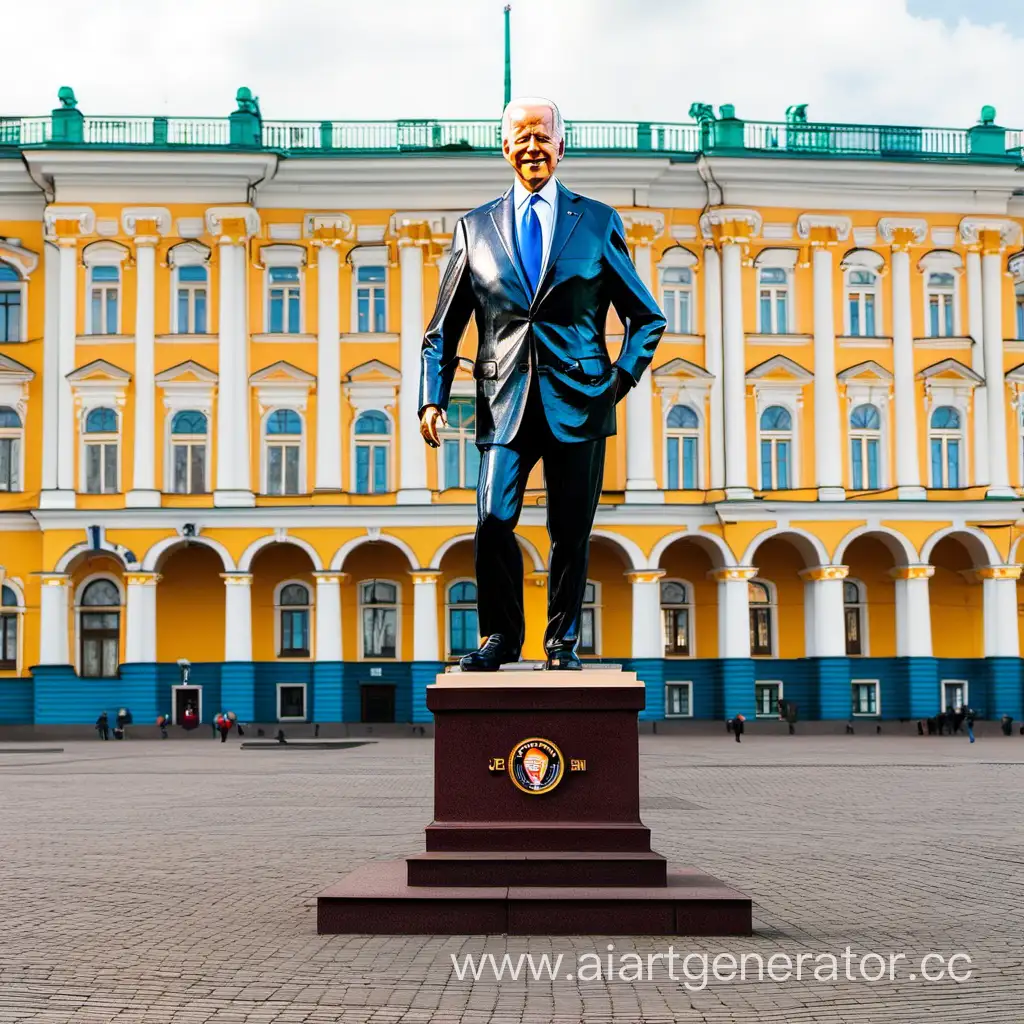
{"points": [[636, 307], [440, 350]]}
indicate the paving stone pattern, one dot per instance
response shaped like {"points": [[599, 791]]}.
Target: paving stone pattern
{"points": [[150, 881]]}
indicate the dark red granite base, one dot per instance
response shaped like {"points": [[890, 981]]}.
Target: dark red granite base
{"points": [[377, 899], [558, 869]]}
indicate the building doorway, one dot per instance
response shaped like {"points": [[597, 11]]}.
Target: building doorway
{"points": [[182, 697], [377, 702]]}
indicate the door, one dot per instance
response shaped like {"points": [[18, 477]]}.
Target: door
{"points": [[954, 694], [378, 702], [185, 696]]}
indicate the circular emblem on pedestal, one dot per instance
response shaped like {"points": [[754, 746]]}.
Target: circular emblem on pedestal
{"points": [[535, 766]]}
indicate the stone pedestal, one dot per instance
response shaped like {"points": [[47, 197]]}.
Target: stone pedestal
{"points": [[536, 824]]}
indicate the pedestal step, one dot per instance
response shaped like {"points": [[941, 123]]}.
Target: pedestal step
{"points": [[377, 899], [538, 836], [537, 869]]}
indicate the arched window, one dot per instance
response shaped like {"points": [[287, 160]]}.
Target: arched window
{"points": [[8, 628], [861, 301], [293, 607], [373, 439], [10, 449], [104, 299], [460, 457], [854, 615], [776, 448], [378, 613], [944, 442], [11, 288], [191, 299], [773, 300], [99, 627], [677, 299], [100, 463], [940, 289], [761, 596], [682, 445], [463, 624], [284, 300], [284, 452], [590, 621], [371, 298], [865, 447], [189, 430], [677, 618]]}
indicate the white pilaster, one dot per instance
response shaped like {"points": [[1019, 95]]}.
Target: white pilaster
{"points": [[828, 462], [913, 611], [908, 469], [143, 493], [995, 387], [237, 616], [641, 485], [713, 363], [328, 373], [412, 452], [425, 645], [52, 378], [53, 615], [232, 227], [328, 616], [648, 635], [823, 589], [733, 375], [140, 615], [999, 586], [733, 610], [976, 327]]}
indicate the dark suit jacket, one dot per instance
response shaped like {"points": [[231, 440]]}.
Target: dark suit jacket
{"points": [[557, 333]]}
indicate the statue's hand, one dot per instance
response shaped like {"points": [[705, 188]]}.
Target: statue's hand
{"points": [[431, 416]]}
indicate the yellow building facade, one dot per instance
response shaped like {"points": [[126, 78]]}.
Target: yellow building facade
{"points": [[209, 448]]}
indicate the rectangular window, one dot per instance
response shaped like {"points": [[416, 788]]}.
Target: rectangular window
{"points": [[767, 698], [854, 642], [678, 700], [291, 703], [588, 641], [864, 463], [760, 631], [371, 299], [8, 641], [189, 469], [294, 633], [104, 298], [282, 469], [682, 472], [371, 468], [10, 315], [464, 630], [101, 467], [284, 300], [380, 629], [10, 463], [192, 297], [676, 625], [869, 316], [855, 315], [865, 697], [775, 465], [953, 463]]}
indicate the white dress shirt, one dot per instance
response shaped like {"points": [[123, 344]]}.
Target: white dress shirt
{"points": [[545, 210]]}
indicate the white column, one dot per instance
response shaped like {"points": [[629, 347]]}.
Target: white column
{"points": [[412, 452], [913, 611], [995, 387], [67, 321], [648, 637], [713, 363], [828, 461], [328, 373], [641, 484], [237, 616], [144, 493], [328, 615], [140, 616], [999, 584], [823, 589], [232, 227], [52, 379], [733, 610], [425, 645], [908, 468], [976, 328], [53, 616], [734, 385]]}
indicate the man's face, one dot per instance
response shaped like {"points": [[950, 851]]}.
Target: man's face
{"points": [[531, 146]]}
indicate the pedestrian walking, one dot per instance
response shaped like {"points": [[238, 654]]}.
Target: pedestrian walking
{"points": [[969, 722], [103, 726], [737, 726], [223, 724], [163, 721]]}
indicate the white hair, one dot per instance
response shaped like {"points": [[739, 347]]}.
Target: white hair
{"points": [[558, 125]]}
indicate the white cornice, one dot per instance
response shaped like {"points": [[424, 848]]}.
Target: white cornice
{"points": [[971, 228], [807, 222], [216, 216], [888, 226], [160, 215], [82, 215]]}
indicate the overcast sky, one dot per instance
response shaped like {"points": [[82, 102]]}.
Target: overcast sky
{"points": [[890, 61]]}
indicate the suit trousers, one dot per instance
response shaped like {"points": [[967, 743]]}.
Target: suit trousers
{"points": [[573, 474]]}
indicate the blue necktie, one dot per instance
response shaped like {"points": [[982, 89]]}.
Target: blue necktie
{"points": [[531, 245]]}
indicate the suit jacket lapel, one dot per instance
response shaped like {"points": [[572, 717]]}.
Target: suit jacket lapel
{"points": [[503, 218], [567, 217]]}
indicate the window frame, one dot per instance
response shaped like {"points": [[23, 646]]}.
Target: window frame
{"points": [[942, 261], [466, 438], [190, 254], [680, 434], [265, 444], [678, 257], [688, 606], [861, 605], [360, 605], [189, 441], [449, 606], [192, 288], [18, 287], [877, 685], [595, 608], [88, 440], [963, 683], [280, 609], [773, 616], [945, 435], [863, 436], [94, 256], [372, 441], [673, 684], [280, 257], [370, 256], [14, 613], [79, 608], [783, 260], [774, 713], [16, 435], [861, 291], [305, 703], [774, 437]]}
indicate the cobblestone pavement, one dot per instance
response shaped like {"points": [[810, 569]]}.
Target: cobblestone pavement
{"points": [[149, 882]]}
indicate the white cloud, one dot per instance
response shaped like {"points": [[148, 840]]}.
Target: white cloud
{"points": [[870, 61]]}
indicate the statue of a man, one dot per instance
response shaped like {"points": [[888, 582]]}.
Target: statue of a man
{"points": [[537, 268]]}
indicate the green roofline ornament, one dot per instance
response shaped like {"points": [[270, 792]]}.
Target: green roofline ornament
{"points": [[66, 97], [247, 103]]}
